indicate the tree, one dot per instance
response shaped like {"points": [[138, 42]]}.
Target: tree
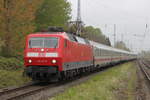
{"points": [[16, 21], [96, 35], [52, 13], [21, 17], [121, 45], [145, 54]]}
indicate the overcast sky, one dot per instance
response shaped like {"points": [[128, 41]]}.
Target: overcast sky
{"points": [[130, 17]]}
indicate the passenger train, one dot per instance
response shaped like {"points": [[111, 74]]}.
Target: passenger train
{"points": [[59, 55]]}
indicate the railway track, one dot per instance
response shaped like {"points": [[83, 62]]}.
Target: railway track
{"points": [[145, 67], [143, 89], [31, 90], [21, 92]]}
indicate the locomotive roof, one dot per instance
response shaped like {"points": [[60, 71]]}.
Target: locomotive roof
{"points": [[95, 44], [63, 34]]}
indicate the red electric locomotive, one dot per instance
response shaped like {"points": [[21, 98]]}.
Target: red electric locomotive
{"points": [[54, 55]]}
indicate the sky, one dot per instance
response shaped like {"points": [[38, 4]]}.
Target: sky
{"points": [[130, 17]]}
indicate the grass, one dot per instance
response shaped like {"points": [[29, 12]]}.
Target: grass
{"points": [[12, 78], [11, 70], [117, 83], [10, 63]]}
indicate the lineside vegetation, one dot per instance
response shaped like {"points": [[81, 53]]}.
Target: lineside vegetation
{"points": [[20, 18], [17, 20], [12, 78], [118, 83]]}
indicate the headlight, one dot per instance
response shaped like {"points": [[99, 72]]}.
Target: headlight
{"points": [[54, 61], [30, 61], [42, 50]]}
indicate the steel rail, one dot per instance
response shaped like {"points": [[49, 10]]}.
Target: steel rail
{"points": [[23, 91], [143, 65], [32, 89], [6, 91], [31, 92]]}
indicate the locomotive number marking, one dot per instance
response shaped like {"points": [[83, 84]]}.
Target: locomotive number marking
{"points": [[41, 54]]}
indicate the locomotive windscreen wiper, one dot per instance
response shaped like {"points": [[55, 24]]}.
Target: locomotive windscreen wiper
{"points": [[56, 45]]}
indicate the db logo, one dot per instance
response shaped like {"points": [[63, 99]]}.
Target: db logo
{"points": [[41, 54]]}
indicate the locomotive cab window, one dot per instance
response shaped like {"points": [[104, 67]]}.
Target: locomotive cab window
{"points": [[43, 42]]}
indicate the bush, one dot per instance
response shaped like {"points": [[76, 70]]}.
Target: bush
{"points": [[10, 64], [12, 78]]}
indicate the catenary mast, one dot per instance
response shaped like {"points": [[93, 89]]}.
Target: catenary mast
{"points": [[78, 21]]}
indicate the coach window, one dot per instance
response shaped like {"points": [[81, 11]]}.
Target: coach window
{"points": [[104, 52], [108, 54], [100, 52]]}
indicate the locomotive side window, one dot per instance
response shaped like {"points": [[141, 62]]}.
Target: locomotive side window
{"points": [[43, 42], [86, 41], [80, 40], [65, 43]]}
